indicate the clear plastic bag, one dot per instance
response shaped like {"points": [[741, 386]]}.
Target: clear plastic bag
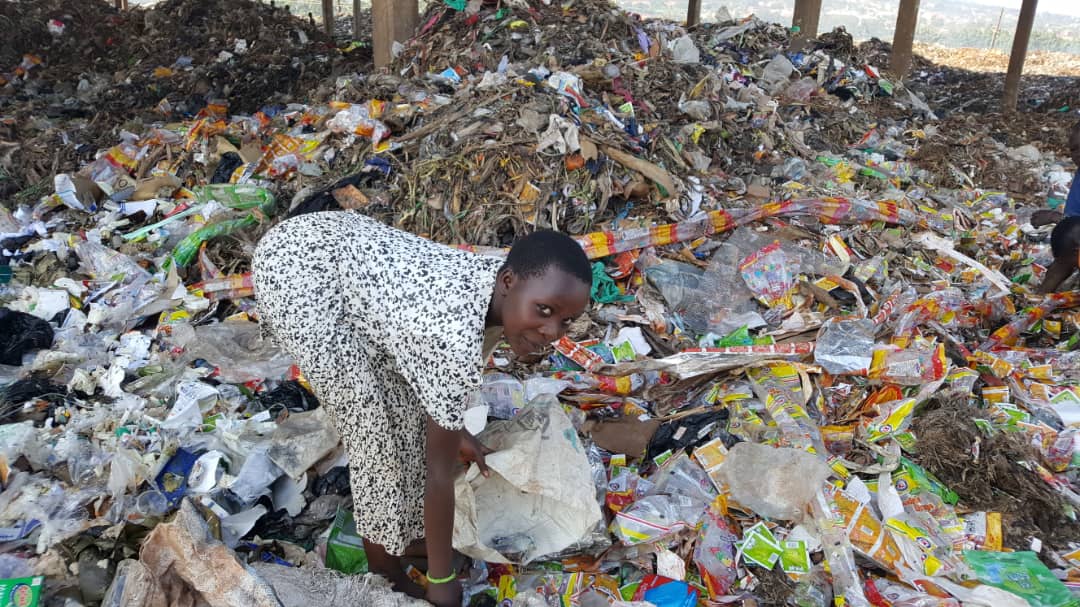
{"points": [[920, 363], [238, 349], [714, 300], [359, 120], [62, 512], [714, 554], [769, 275], [679, 283], [934, 306], [776, 483], [12, 566], [845, 346], [126, 471], [800, 91], [813, 589], [681, 475], [104, 263], [847, 587], [503, 394], [780, 386], [726, 303], [656, 517], [256, 475]]}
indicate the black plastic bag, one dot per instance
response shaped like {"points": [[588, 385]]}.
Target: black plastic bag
{"points": [[21, 333], [335, 481], [323, 200], [289, 396], [46, 394], [690, 431], [277, 525], [229, 162]]}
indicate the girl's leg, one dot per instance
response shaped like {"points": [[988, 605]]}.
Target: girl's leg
{"points": [[389, 566], [417, 549]]}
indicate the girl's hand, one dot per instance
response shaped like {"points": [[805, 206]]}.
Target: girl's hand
{"points": [[444, 595], [472, 451]]}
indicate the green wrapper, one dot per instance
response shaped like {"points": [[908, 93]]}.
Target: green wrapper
{"points": [[21, 592], [345, 548], [1023, 574]]}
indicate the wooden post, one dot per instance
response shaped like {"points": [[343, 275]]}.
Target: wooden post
{"points": [[1018, 54], [328, 17], [357, 19], [693, 13], [806, 18], [904, 37], [392, 20], [997, 29]]}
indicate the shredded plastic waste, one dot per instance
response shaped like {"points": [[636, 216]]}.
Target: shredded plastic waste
{"points": [[816, 369]]}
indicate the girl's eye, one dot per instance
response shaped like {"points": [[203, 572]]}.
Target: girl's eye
{"points": [[544, 310], [566, 322]]}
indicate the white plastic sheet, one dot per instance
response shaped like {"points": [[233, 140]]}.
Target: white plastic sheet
{"points": [[540, 497]]}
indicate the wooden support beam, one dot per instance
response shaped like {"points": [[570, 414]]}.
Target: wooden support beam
{"points": [[392, 20], [997, 29], [121, 5], [693, 13], [328, 17], [358, 20], [806, 18], [1018, 54], [904, 37]]}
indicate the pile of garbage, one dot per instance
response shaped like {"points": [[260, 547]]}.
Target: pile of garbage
{"points": [[74, 73], [815, 371]]}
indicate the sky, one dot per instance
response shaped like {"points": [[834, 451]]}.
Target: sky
{"points": [[1060, 7]]}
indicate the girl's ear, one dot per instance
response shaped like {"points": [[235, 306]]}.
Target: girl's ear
{"points": [[506, 280]]}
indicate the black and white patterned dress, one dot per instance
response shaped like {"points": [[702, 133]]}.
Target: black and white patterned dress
{"points": [[386, 326]]}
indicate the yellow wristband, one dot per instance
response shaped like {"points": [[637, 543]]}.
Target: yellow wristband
{"points": [[441, 580]]}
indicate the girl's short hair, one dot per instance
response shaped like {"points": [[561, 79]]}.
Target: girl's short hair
{"points": [[532, 255], [1065, 239]]}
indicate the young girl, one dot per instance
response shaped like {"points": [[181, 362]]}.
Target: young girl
{"points": [[1065, 239], [1065, 245], [392, 331]]}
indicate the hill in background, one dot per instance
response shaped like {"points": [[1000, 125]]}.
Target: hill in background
{"points": [[944, 22]]}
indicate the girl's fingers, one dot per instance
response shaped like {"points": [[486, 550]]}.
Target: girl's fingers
{"points": [[483, 465]]}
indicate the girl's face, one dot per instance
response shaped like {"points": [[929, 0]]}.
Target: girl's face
{"points": [[537, 311]]}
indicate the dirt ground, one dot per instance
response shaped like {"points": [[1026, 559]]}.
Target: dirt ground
{"points": [[1038, 63]]}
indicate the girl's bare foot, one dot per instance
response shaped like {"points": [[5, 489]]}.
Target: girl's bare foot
{"points": [[389, 566], [404, 584]]}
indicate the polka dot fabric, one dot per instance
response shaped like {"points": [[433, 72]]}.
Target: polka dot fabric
{"points": [[386, 326]]}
